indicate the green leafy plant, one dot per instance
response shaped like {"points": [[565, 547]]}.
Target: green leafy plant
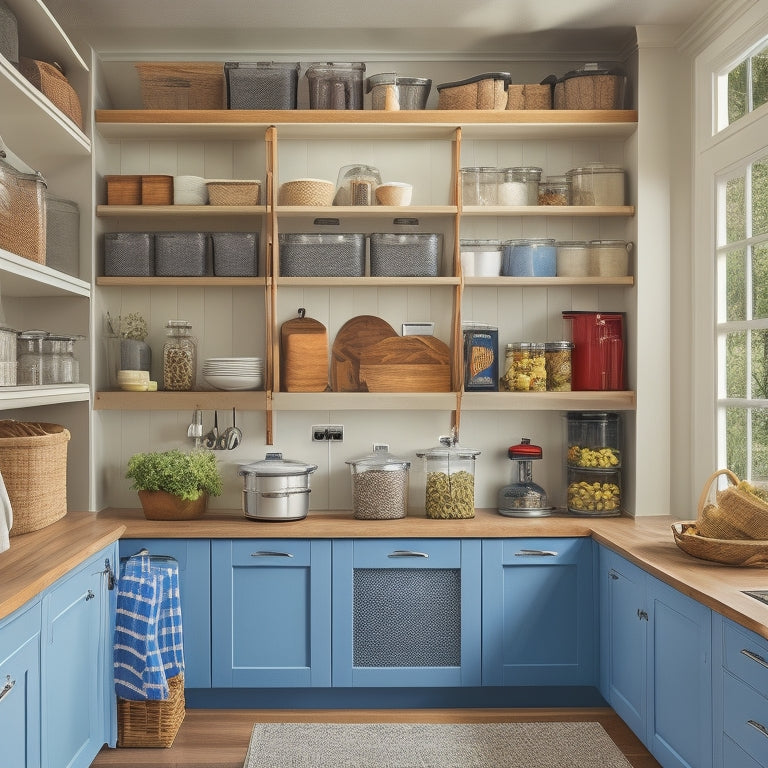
{"points": [[132, 326], [186, 475]]}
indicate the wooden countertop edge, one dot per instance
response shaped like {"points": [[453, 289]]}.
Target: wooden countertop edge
{"points": [[38, 559]]}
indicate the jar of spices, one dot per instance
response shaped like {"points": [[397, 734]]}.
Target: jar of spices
{"points": [[572, 258], [524, 367], [519, 186], [609, 258], [557, 355], [554, 190], [479, 186], [179, 357]]}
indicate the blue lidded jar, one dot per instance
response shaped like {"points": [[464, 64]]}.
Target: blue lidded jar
{"points": [[529, 258]]}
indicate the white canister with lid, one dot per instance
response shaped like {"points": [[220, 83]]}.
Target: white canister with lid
{"points": [[609, 258], [480, 258], [572, 258]]}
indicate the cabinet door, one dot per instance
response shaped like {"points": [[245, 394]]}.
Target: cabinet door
{"points": [[20, 688], [680, 714], [271, 613], [77, 680], [625, 621], [406, 612], [194, 559], [538, 612]]}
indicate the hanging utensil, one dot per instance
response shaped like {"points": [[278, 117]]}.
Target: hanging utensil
{"points": [[235, 434], [211, 437], [195, 429]]}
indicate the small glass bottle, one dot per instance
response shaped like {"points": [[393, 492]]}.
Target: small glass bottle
{"points": [[179, 357]]}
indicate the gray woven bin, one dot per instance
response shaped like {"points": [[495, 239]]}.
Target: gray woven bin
{"points": [[180, 254], [129, 254], [405, 255], [261, 85], [322, 255], [62, 236], [235, 254], [9, 34]]}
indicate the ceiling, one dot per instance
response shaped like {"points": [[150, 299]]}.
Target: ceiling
{"points": [[486, 28]]}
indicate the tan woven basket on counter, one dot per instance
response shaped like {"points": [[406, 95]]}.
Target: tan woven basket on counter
{"points": [[152, 723], [33, 462], [718, 534]]}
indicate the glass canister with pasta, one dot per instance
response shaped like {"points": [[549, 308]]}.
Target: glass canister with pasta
{"points": [[450, 479]]}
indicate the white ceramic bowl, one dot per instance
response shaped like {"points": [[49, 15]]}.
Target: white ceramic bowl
{"points": [[394, 193], [234, 382]]}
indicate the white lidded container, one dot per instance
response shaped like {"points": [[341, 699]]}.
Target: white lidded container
{"points": [[609, 258], [572, 258], [596, 184], [379, 485]]}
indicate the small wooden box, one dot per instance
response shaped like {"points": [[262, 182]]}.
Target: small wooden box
{"points": [[123, 190], [157, 190]]}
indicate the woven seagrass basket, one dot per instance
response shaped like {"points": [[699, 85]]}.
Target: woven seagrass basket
{"points": [[33, 462], [152, 723], [716, 535], [317, 192], [182, 85], [234, 191], [51, 81]]}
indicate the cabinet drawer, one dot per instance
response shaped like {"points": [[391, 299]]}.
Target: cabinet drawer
{"points": [[746, 656], [735, 757], [271, 552], [538, 551], [17, 628], [746, 718], [407, 553]]}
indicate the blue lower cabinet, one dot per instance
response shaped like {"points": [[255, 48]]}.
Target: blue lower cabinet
{"points": [[77, 690], [20, 688], [538, 612], [406, 612], [194, 559], [271, 613]]}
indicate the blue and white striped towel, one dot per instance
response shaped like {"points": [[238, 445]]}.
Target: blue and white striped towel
{"points": [[148, 638]]}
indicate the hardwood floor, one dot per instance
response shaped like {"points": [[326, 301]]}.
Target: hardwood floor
{"points": [[218, 738]]}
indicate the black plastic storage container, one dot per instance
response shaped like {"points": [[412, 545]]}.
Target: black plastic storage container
{"points": [[261, 84]]}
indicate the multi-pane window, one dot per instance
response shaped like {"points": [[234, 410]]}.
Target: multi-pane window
{"points": [[744, 87], [742, 320]]}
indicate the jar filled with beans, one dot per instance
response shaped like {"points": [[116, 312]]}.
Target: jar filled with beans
{"points": [[379, 485], [179, 357]]}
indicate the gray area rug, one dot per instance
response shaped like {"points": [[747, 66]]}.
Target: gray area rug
{"points": [[432, 745]]}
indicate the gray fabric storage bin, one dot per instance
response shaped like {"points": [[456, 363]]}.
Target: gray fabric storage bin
{"points": [[9, 34], [261, 84], [322, 255], [62, 237], [235, 254], [180, 254], [405, 255], [129, 254]]}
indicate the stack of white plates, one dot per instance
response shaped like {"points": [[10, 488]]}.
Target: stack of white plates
{"points": [[234, 372]]}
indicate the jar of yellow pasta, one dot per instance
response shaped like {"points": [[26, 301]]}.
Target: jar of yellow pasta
{"points": [[450, 480]]}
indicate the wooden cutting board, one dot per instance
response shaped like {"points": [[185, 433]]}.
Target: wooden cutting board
{"points": [[353, 338], [303, 355], [407, 364]]}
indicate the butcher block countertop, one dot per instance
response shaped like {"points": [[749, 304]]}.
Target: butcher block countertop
{"points": [[37, 559]]}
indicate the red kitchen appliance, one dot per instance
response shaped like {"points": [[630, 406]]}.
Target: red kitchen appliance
{"points": [[598, 353]]}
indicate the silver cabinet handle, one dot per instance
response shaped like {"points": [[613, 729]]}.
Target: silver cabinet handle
{"points": [[89, 596], [758, 727], [642, 615], [759, 659], [536, 553], [267, 553], [7, 687], [407, 553]]}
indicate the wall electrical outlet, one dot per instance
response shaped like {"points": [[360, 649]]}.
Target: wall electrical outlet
{"points": [[327, 433]]}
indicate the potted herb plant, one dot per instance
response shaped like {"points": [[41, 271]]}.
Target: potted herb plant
{"points": [[174, 485]]}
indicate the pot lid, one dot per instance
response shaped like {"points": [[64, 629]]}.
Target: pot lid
{"points": [[524, 451], [505, 76], [448, 448], [381, 458], [274, 464], [590, 69]]}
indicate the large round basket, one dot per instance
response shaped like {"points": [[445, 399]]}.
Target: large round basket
{"points": [[33, 463], [745, 552]]}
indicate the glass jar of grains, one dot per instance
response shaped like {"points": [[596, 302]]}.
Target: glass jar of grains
{"points": [[179, 357], [519, 186], [525, 367], [554, 190], [450, 475], [557, 355], [479, 186]]}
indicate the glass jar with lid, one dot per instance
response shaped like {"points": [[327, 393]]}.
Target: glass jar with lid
{"points": [[572, 258], [596, 184], [479, 186], [379, 485], [529, 258], [525, 367], [557, 356], [480, 258], [554, 190], [609, 258], [29, 350], [519, 185], [450, 474], [179, 357]]}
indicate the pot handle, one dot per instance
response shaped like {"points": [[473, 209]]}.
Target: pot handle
{"points": [[283, 494]]}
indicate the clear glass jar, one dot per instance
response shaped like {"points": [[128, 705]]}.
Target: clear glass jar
{"points": [[572, 258], [29, 350], [529, 258], [479, 186], [179, 357], [525, 367], [379, 485], [609, 258], [450, 473], [480, 258], [554, 190], [596, 184], [557, 355], [519, 186]]}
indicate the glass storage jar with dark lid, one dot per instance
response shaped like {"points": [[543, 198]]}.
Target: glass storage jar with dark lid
{"points": [[179, 357]]}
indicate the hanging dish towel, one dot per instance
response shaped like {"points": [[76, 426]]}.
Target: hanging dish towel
{"points": [[139, 672], [6, 517], [169, 635]]}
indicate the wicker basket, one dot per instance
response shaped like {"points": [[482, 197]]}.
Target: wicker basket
{"points": [[487, 91], [151, 723], [157, 189], [51, 81], [531, 96], [182, 85], [33, 462], [316, 192], [234, 191], [718, 535]]}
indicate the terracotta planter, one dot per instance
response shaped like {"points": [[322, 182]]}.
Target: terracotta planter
{"points": [[160, 505]]}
